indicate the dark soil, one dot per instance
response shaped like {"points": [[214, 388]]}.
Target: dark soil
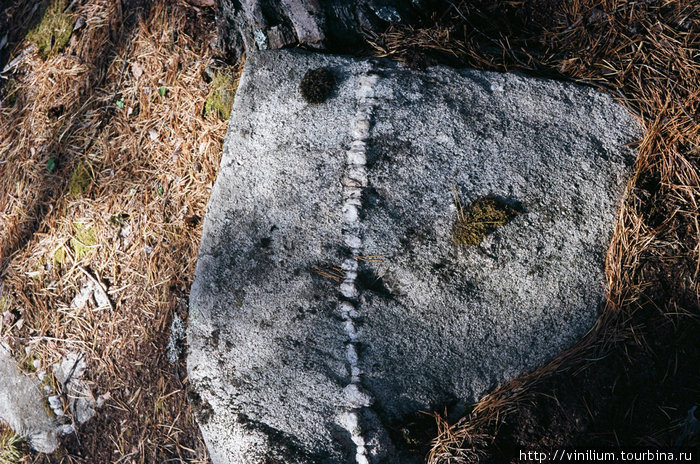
{"points": [[635, 396], [15, 20]]}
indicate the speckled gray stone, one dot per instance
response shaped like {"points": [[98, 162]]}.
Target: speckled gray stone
{"points": [[22, 406], [291, 366]]}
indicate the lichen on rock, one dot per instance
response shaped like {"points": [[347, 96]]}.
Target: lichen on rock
{"points": [[479, 219]]}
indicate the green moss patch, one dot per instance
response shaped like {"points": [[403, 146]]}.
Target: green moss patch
{"points": [[27, 364], [52, 33], [83, 239], [80, 179], [479, 219], [220, 99], [59, 256]]}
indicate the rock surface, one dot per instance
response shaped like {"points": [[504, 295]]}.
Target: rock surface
{"points": [[245, 26], [22, 406], [330, 304]]}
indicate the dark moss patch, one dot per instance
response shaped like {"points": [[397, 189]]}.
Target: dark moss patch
{"points": [[51, 35], [192, 221], [8, 94], [118, 220], [371, 198], [414, 435], [316, 85], [27, 365], [56, 111], [479, 219], [220, 99], [214, 341], [418, 60]]}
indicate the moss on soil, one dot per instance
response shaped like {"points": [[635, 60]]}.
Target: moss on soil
{"points": [[80, 179], [220, 99], [8, 93], [83, 239], [59, 256], [27, 364], [479, 219], [48, 383], [51, 35]]}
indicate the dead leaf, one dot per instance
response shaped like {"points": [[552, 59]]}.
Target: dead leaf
{"points": [[136, 70]]}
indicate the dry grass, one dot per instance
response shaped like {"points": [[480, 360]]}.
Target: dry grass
{"points": [[10, 446], [647, 54], [119, 116], [454, 443]]}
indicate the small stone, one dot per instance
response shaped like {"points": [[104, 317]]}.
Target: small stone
{"points": [[102, 399], [388, 14], [66, 429], [176, 344], [260, 39], [69, 372], [84, 408], [55, 405], [83, 296], [22, 405], [79, 24]]}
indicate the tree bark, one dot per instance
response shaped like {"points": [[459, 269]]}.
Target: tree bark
{"points": [[332, 25]]}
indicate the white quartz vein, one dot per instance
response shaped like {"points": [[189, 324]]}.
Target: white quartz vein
{"points": [[354, 181]]}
